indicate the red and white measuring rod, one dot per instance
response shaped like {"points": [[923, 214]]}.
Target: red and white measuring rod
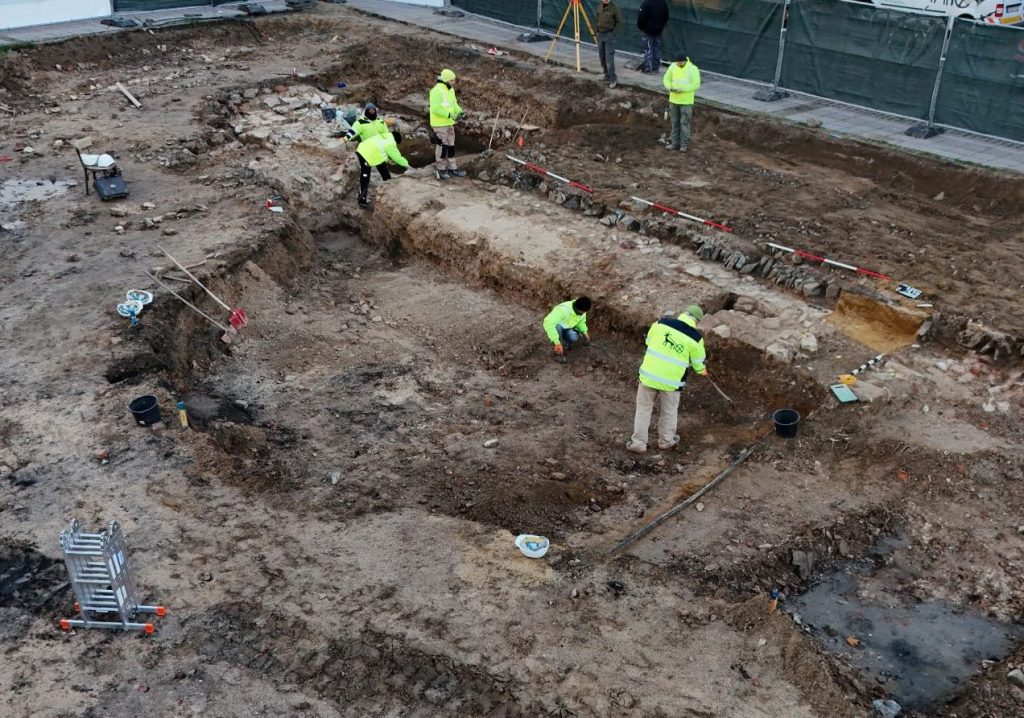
{"points": [[541, 171], [832, 262], [684, 215]]}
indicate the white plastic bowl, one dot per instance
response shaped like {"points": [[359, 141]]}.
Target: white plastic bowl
{"points": [[532, 545]]}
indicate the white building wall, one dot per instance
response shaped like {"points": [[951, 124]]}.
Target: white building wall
{"points": [[22, 13], [428, 3]]}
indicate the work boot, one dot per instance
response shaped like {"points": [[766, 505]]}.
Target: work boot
{"points": [[441, 174], [456, 173], [635, 448], [671, 148], [363, 203], [682, 149], [612, 85], [667, 447]]}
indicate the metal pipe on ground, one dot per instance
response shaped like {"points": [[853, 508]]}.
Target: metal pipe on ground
{"points": [[644, 530]]}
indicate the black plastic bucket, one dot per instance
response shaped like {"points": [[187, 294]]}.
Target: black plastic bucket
{"points": [[786, 422], [145, 410]]}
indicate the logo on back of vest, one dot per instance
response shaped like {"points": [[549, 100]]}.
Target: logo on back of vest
{"points": [[674, 346]]}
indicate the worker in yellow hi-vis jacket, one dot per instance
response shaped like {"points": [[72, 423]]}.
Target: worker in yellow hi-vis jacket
{"points": [[674, 346], [376, 151], [682, 80], [444, 113], [566, 324]]}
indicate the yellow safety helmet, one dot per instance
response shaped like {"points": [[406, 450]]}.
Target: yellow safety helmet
{"points": [[447, 75], [694, 311]]}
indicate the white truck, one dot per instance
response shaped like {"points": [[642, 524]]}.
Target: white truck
{"points": [[995, 12]]}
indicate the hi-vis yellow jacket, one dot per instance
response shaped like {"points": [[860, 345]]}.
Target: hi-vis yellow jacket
{"points": [[444, 108], [674, 346], [682, 83], [564, 315], [379, 149]]}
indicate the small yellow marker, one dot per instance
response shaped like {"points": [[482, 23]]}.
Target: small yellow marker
{"points": [[182, 415]]}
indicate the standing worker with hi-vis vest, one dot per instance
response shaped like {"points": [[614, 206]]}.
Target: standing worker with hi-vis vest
{"points": [[682, 80], [674, 346], [444, 113]]}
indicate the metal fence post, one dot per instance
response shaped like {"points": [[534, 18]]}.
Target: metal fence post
{"points": [[535, 35], [773, 93], [924, 130]]}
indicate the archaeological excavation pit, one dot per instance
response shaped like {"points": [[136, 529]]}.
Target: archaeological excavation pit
{"points": [[334, 533]]}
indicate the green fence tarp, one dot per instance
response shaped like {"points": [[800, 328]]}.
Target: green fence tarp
{"points": [[882, 59], [983, 80], [732, 37], [517, 12], [144, 5]]}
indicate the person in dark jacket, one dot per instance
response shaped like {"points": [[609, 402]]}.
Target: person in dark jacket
{"points": [[608, 20], [651, 21]]}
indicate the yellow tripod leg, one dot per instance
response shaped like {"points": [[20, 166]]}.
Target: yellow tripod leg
{"points": [[576, 27], [589, 26], [558, 32]]}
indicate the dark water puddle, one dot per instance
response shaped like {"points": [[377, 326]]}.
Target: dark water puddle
{"points": [[16, 191], [920, 652]]}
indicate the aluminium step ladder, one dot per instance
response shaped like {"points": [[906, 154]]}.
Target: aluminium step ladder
{"points": [[101, 577]]}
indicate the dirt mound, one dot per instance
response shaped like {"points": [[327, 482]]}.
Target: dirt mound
{"points": [[31, 581], [15, 72], [372, 667]]}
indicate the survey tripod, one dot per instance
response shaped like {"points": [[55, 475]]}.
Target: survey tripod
{"points": [[578, 10]]}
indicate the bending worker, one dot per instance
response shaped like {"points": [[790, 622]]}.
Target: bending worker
{"points": [[674, 346], [368, 125], [566, 324], [375, 151], [444, 113]]}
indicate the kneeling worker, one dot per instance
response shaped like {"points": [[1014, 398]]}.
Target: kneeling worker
{"points": [[674, 346], [373, 152], [566, 324]]}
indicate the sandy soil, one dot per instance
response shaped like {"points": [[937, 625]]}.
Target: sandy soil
{"points": [[333, 534]]}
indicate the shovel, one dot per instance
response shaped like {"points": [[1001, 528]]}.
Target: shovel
{"points": [[229, 332], [238, 319], [722, 393]]}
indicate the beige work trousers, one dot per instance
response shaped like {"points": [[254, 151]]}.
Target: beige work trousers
{"points": [[444, 153], [668, 417]]}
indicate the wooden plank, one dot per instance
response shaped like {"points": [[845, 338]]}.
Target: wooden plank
{"points": [[130, 96]]}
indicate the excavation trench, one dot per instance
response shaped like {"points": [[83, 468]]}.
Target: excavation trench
{"points": [[579, 136], [394, 370], [355, 406]]}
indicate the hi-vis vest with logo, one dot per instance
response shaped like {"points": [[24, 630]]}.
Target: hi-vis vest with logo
{"points": [[673, 347]]}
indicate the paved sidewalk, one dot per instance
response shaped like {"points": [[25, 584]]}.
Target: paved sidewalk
{"points": [[835, 118], [64, 30]]}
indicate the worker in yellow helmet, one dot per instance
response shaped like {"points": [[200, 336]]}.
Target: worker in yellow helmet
{"points": [[674, 346], [444, 113], [375, 151], [566, 324]]}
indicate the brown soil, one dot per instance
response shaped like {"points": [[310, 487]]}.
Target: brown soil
{"points": [[333, 535]]}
